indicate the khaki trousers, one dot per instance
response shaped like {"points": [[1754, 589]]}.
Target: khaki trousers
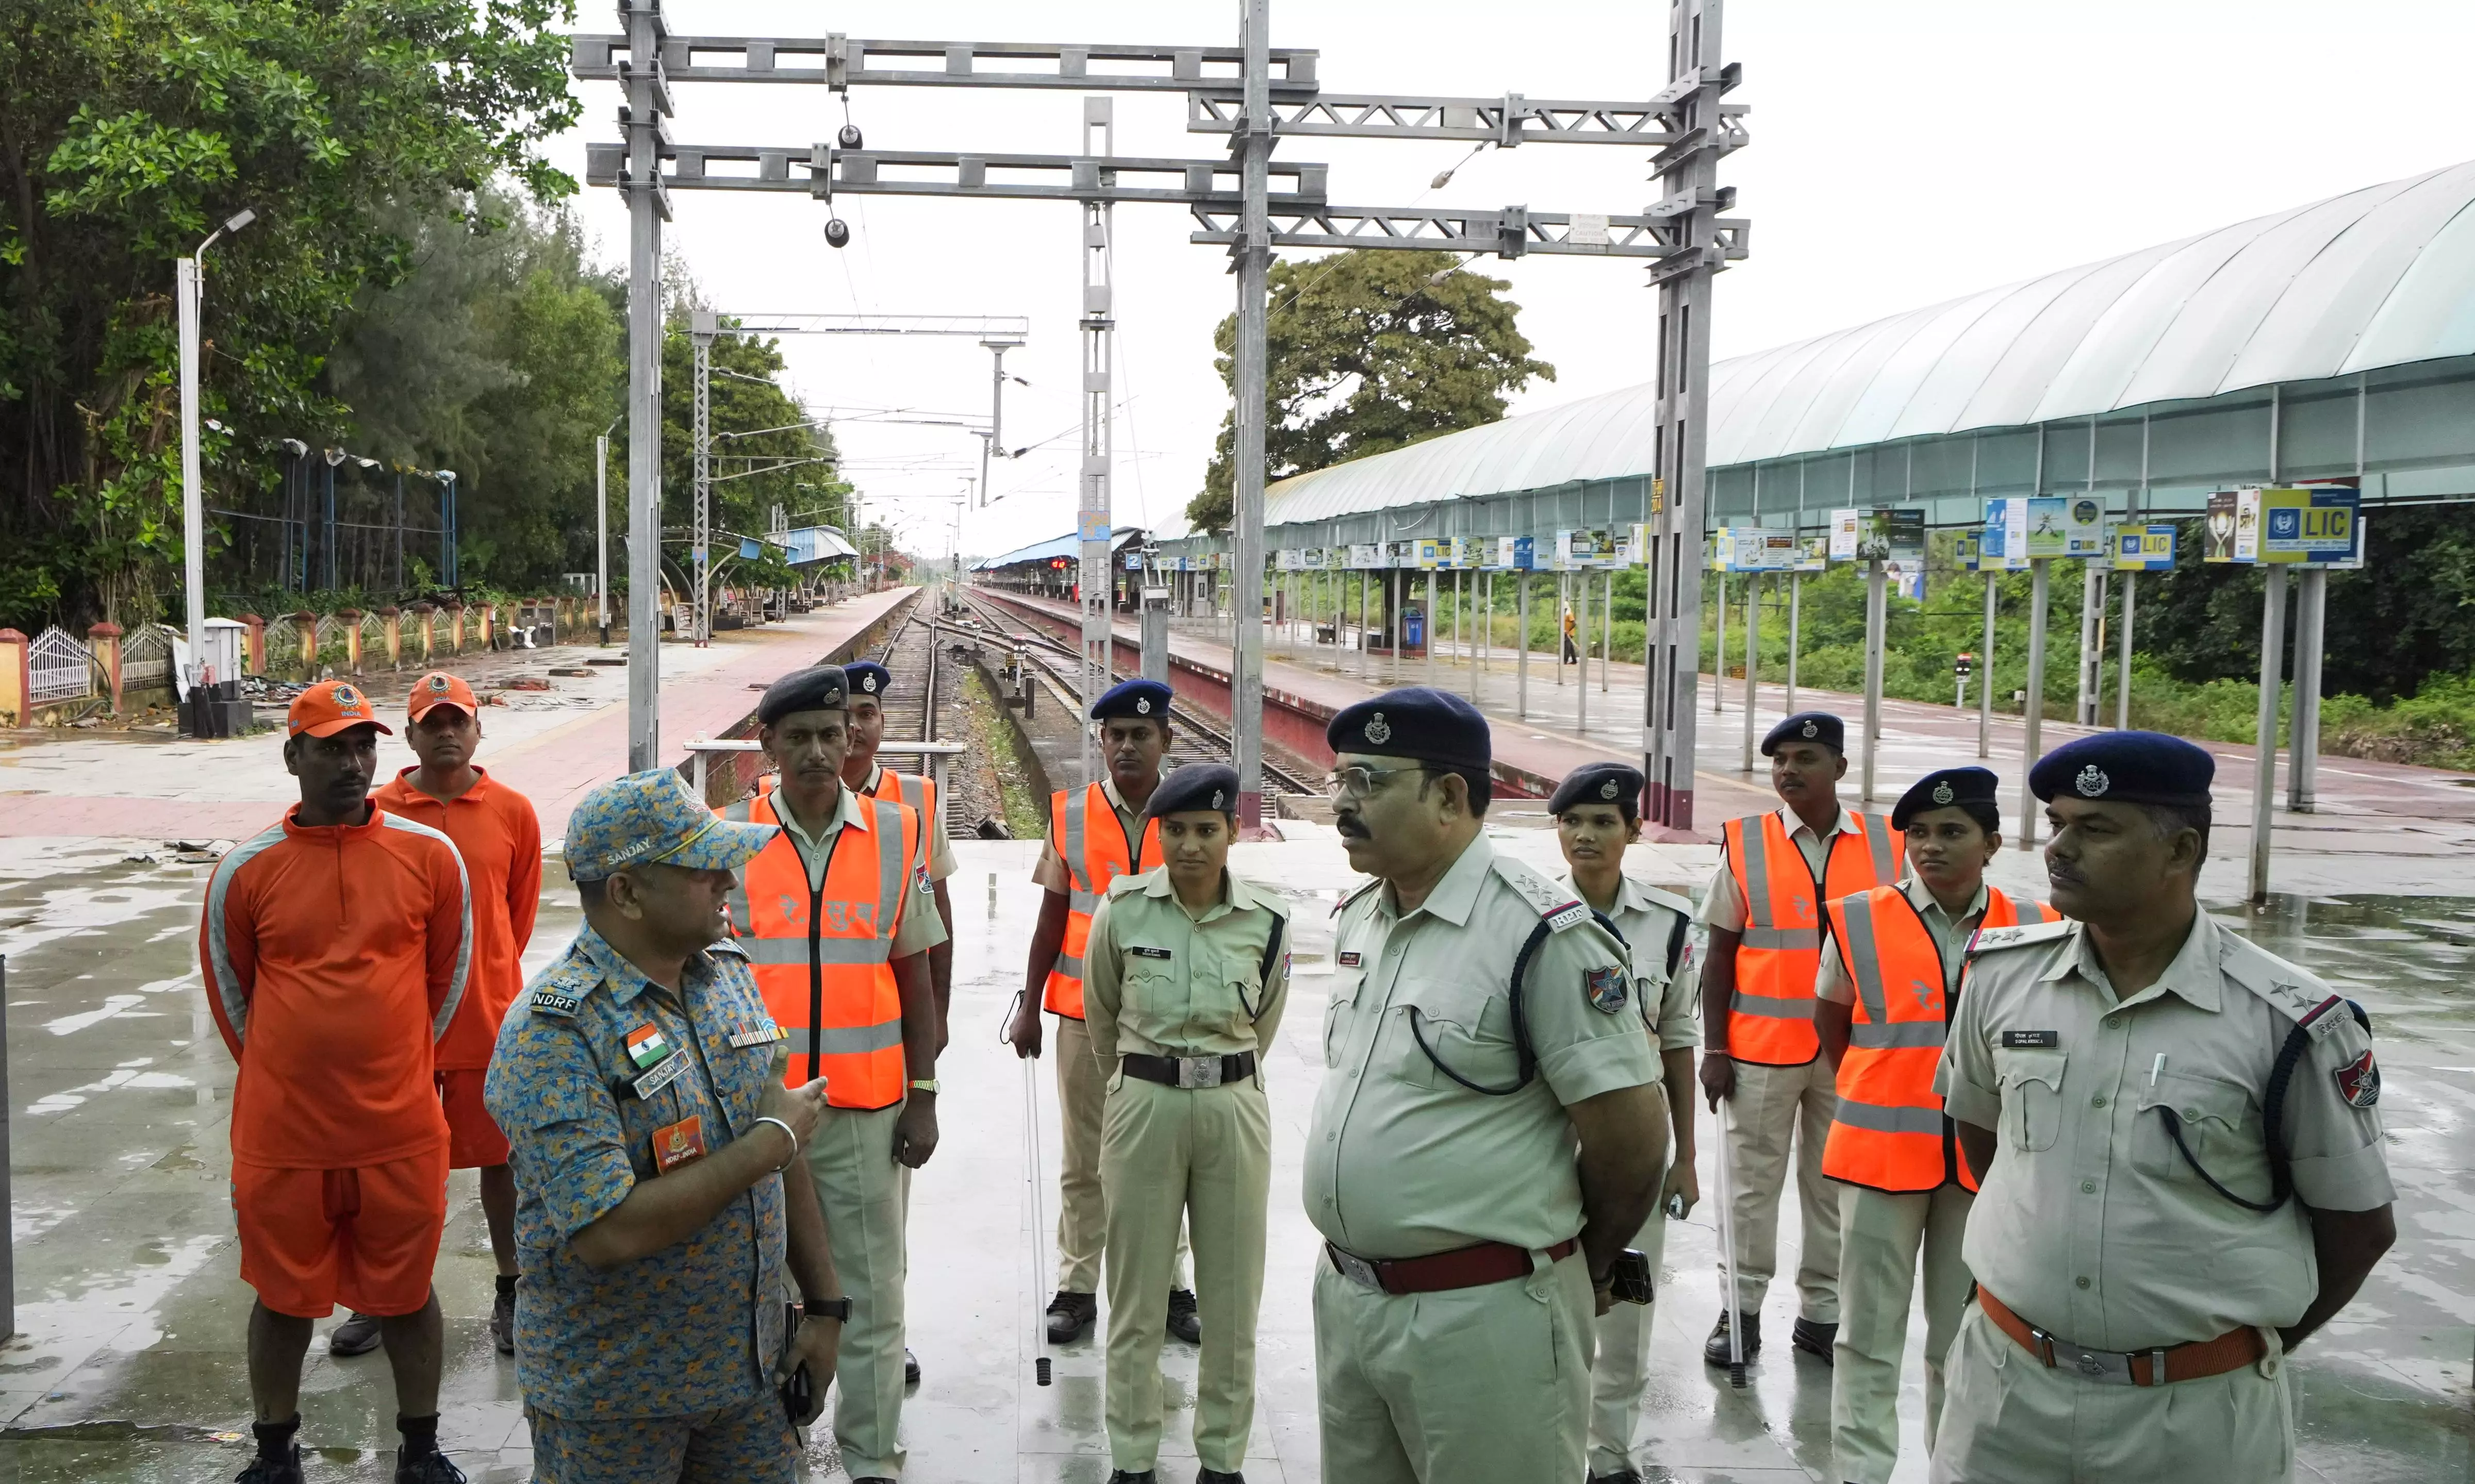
{"points": [[1474, 1386], [867, 1196], [1620, 1370], [1772, 1107], [1203, 1156], [1881, 1235], [1082, 1203], [2010, 1420]]}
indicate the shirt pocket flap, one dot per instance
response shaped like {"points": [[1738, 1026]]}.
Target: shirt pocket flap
{"points": [[1443, 1032], [2031, 1080], [2221, 1125]]}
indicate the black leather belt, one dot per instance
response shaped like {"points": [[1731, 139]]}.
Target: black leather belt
{"points": [[1189, 1071]]}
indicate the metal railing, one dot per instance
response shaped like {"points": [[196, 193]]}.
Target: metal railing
{"points": [[59, 669], [702, 748], [146, 659]]}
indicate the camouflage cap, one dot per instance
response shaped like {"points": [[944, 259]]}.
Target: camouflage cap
{"points": [[649, 818]]}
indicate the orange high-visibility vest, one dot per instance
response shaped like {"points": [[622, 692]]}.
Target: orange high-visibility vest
{"points": [[1086, 832], [823, 954], [920, 793], [1769, 1020], [1890, 1131]]}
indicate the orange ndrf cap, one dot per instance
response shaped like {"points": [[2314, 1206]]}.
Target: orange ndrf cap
{"points": [[330, 707], [438, 688]]}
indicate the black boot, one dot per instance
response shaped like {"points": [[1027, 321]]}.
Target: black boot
{"points": [[1625, 1476], [1215, 1476], [1070, 1314], [1714, 1351], [1814, 1337], [1129, 1477], [1183, 1321]]}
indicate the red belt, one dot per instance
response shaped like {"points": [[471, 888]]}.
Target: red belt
{"points": [[2231, 1350], [1467, 1266]]}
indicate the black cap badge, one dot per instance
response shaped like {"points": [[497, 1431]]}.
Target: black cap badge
{"points": [[1609, 789], [1942, 794], [2091, 782], [1378, 730]]}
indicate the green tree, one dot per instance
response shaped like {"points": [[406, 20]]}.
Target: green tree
{"points": [[765, 453], [1366, 351], [128, 128]]}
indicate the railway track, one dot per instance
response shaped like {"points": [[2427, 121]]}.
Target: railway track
{"points": [[1057, 667], [924, 677]]}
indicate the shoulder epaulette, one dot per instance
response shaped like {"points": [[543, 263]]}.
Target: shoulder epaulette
{"points": [[1351, 900], [1127, 885], [729, 945], [1558, 907], [2026, 935], [2293, 992], [559, 989], [1674, 902]]}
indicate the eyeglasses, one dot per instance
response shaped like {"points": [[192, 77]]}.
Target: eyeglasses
{"points": [[1358, 783]]}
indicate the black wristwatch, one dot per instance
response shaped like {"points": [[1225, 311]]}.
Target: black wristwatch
{"points": [[827, 1308]]}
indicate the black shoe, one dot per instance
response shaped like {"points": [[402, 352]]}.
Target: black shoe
{"points": [[1714, 1351], [1622, 1476], [1070, 1314], [910, 1370], [357, 1335], [502, 1323], [1129, 1476], [1183, 1321], [431, 1468], [267, 1470], [1215, 1476], [1814, 1337]]}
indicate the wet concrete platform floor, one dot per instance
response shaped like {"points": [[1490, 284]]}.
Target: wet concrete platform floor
{"points": [[127, 1364]]}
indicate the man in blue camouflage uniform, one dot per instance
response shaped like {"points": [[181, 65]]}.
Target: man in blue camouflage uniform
{"points": [[639, 1081]]}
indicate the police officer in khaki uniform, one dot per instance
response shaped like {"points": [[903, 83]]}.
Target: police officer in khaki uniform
{"points": [[1185, 974], [2184, 1173], [1596, 809], [1489, 1131]]}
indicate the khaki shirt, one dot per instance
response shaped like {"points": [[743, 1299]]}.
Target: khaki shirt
{"points": [[2091, 1224], [1050, 872], [1949, 937], [1723, 905], [1166, 981], [1670, 1004], [1403, 1161], [914, 932], [940, 848]]}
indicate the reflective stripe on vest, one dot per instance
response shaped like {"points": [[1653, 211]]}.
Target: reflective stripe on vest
{"points": [[822, 954], [1087, 834], [920, 793], [1889, 1131], [1770, 1016]]}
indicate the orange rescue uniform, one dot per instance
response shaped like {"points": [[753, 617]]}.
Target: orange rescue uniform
{"points": [[1890, 1131], [495, 830], [823, 954], [1086, 832], [1770, 1019], [335, 958]]}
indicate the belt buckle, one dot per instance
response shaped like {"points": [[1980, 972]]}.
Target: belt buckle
{"points": [[1199, 1071], [1357, 1270], [2111, 1367]]}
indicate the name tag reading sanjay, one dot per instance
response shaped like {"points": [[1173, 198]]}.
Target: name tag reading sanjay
{"points": [[2032, 1038], [660, 1077]]}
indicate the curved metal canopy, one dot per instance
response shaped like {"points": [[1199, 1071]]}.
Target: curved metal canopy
{"points": [[2379, 277]]}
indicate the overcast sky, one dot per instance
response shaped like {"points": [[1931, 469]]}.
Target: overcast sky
{"points": [[1904, 152]]}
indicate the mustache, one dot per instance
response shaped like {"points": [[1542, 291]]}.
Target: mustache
{"points": [[1350, 829]]}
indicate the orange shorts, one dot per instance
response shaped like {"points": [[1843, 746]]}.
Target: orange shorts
{"points": [[366, 1238], [474, 1141]]}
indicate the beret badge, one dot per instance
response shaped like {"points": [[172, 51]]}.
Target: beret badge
{"points": [[1942, 794], [1378, 730], [2091, 782], [1609, 789]]}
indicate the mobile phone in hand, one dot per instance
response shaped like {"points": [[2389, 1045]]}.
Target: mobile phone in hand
{"points": [[800, 1402], [1628, 1277]]}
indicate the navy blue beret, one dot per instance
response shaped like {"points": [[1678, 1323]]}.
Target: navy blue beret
{"points": [[1942, 788], [869, 678], [2126, 767], [1600, 782], [1196, 786], [818, 688], [1815, 726], [1416, 721], [1148, 700]]}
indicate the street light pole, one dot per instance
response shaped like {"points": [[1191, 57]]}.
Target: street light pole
{"points": [[188, 282], [601, 527]]}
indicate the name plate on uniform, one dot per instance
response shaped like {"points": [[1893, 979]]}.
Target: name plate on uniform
{"points": [[660, 1077], [679, 1143], [2032, 1038], [1351, 958], [1149, 952]]}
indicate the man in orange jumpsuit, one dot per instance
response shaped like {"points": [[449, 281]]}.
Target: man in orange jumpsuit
{"points": [[496, 831], [336, 947]]}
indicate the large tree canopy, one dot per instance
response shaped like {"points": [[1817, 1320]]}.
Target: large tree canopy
{"points": [[1365, 352], [128, 129]]}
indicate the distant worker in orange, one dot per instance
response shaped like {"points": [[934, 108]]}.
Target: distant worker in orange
{"points": [[1572, 637], [335, 947], [496, 831]]}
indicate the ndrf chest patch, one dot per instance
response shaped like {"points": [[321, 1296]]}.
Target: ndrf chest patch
{"points": [[1607, 988], [2359, 1081]]}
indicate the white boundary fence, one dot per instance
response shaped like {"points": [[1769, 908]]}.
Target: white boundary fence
{"points": [[59, 669]]}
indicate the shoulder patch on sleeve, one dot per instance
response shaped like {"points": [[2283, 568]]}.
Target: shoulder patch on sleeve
{"points": [[1557, 906], [560, 988], [2291, 991], [551, 1002], [1990, 939]]}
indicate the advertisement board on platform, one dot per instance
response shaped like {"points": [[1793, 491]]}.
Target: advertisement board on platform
{"points": [[1365, 555], [2313, 523], [1846, 530], [2144, 549]]}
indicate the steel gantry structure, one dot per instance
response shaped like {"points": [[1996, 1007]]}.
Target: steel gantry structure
{"points": [[1253, 94], [998, 333]]}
